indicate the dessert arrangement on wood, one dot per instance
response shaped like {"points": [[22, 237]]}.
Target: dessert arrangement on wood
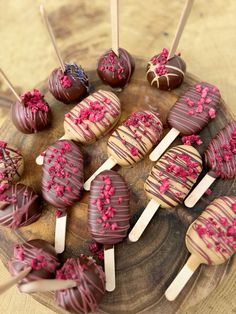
{"points": [[80, 282]]}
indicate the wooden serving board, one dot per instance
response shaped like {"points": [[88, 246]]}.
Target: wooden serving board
{"points": [[146, 268]]}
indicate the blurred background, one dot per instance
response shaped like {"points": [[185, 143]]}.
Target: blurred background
{"points": [[82, 30]]}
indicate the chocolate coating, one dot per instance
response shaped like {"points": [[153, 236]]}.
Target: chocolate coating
{"points": [[11, 163], [90, 289], [19, 205], [108, 215], [37, 254], [114, 70], [192, 111], [220, 155], [166, 74], [32, 114], [63, 174], [77, 87]]}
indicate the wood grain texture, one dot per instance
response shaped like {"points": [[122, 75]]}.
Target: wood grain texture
{"points": [[208, 46]]}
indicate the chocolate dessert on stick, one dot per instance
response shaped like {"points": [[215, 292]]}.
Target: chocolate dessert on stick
{"points": [[220, 158], [211, 240], [190, 114], [169, 182], [131, 141]]}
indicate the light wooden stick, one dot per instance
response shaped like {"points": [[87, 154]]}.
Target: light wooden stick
{"points": [[52, 37], [143, 220], [10, 85], [45, 285], [13, 281], [109, 267], [107, 165], [60, 233], [115, 26], [199, 190], [180, 28], [164, 144], [182, 278]]}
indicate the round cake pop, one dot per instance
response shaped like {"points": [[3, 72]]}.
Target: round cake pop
{"points": [[70, 86], [11, 163], [90, 289], [32, 113], [166, 74], [19, 205], [37, 254], [114, 70]]}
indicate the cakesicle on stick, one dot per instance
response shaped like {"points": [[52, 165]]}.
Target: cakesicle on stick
{"points": [[190, 114], [109, 217], [169, 182], [131, 141], [211, 240], [220, 158]]}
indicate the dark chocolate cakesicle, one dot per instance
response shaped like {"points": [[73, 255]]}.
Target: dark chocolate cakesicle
{"points": [[108, 216], [190, 114]]}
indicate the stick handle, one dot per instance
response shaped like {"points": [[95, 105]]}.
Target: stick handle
{"points": [[45, 285], [60, 234], [199, 190], [115, 26], [10, 85], [109, 268], [13, 281], [164, 144], [107, 165], [143, 221], [52, 37], [182, 278], [183, 19]]}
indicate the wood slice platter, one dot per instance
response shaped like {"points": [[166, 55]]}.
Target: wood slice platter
{"points": [[144, 269]]}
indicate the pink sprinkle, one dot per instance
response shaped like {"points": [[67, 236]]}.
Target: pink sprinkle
{"points": [[234, 207], [223, 221], [65, 81], [164, 185], [212, 113], [208, 191], [199, 109], [114, 226], [231, 231], [134, 151], [58, 213]]}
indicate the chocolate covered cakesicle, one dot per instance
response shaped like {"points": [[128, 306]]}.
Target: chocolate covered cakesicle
{"points": [[190, 114], [62, 182], [109, 216], [11, 163], [131, 141], [220, 158], [169, 182], [211, 240]]}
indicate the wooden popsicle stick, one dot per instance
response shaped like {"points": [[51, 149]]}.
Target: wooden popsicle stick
{"points": [[115, 26], [109, 267], [60, 233], [182, 278], [52, 37], [45, 285], [164, 144], [13, 281], [107, 165], [9, 84], [143, 220], [199, 190], [182, 22]]}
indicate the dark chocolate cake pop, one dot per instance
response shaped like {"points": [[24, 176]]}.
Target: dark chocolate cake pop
{"points": [[71, 86], [114, 70], [11, 163], [63, 177], [32, 113], [37, 254], [19, 205], [90, 289], [166, 74]]}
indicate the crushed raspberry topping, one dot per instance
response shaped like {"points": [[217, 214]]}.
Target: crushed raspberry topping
{"points": [[208, 191], [134, 151], [35, 101], [191, 139], [160, 61], [97, 250], [3, 144], [143, 118], [165, 184], [65, 81], [112, 63]]}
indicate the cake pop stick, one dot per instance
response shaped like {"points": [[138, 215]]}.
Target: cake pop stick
{"points": [[211, 240], [131, 141], [220, 157], [115, 25], [190, 114], [13, 281], [12, 88], [168, 183], [45, 285]]}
